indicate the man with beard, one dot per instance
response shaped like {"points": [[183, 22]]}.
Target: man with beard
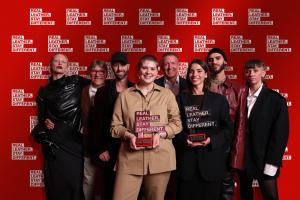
{"points": [[236, 96], [171, 78], [105, 99]]}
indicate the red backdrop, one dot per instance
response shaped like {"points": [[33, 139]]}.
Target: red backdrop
{"points": [[33, 30]]}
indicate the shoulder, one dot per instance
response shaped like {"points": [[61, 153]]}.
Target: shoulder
{"points": [[214, 95], [236, 86], [275, 95], [159, 81]]}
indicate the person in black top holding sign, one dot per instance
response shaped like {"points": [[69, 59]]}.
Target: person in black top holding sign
{"points": [[207, 132]]}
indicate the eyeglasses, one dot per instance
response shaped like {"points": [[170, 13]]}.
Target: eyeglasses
{"points": [[100, 72]]}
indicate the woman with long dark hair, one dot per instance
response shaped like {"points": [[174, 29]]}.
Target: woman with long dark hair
{"points": [[207, 131]]}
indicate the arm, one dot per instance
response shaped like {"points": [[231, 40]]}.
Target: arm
{"points": [[180, 139], [279, 134], [174, 126], [225, 135]]}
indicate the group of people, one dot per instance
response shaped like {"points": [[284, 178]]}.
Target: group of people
{"points": [[118, 140]]}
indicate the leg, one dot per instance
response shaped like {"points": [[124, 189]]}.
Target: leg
{"points": [[89, 176], [268, 187], [227, 186], [211, 190], [127, 186], [155, 185], [246, 191]]}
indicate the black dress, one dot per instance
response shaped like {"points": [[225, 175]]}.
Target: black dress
{"points": [[59, 101]]}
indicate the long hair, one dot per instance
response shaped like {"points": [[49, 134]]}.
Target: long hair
{"points": [[204, 67]]}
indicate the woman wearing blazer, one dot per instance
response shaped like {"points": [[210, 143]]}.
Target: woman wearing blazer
{"points": [[267, 133], [201, 165]]}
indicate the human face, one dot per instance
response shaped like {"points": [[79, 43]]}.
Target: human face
{"points": [[59, 64], [255, 76], [120, 70], [170, 65], [98, 76], [197, 75], [147, 72], [216, 63]]}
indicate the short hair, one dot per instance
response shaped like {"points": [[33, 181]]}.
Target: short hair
{"points": [[250, 64], [216, 50], [147, 57], [97, 62], [205, 68], [168, 54]]}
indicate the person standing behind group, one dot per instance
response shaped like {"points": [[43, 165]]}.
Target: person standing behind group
{"points": [[201, 165], [267, 134], [236, 97], [59, 119], [137, 165], [93, 170], [106, 148], [171, 78]]}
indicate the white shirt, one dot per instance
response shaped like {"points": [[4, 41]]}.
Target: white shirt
{"points": [[92, 93], [269, 169], [173, 87]]}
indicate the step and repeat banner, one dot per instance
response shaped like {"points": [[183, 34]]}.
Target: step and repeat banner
{"points": [[33, 30]]}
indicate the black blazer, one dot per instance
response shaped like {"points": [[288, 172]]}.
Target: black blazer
{"points": [[209, 161], [182, 83], [267, 132]]}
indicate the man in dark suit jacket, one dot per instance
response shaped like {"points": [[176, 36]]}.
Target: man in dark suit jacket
{"points": [[171, 78], [107, 150], [267, 133]]}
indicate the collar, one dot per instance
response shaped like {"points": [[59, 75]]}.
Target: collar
{"points": [[169, 82], [256, 93], [155, 87]]}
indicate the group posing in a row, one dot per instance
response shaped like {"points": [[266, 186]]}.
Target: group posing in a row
{"points": [[218, 128]]}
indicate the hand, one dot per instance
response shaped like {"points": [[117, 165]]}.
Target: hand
{"points": [[49, 124], [196, 144], [156, 138], [104, 156], [133, 146]]}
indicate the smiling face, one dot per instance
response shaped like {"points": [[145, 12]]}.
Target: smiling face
{"points": [[147, 72], [216, 63], [120, 70], [59, 64], [197, 75], [98, 75], [170, 65]]}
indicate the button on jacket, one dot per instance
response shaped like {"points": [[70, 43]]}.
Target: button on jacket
{"points": [[160, 101]]}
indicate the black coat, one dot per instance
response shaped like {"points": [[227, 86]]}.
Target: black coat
{"points": [[267, 132], [210, 161], [182, 83]]}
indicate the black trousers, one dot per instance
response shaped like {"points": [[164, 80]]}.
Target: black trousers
{"points": [[198, 189], [63, 176], [267, 185]]}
